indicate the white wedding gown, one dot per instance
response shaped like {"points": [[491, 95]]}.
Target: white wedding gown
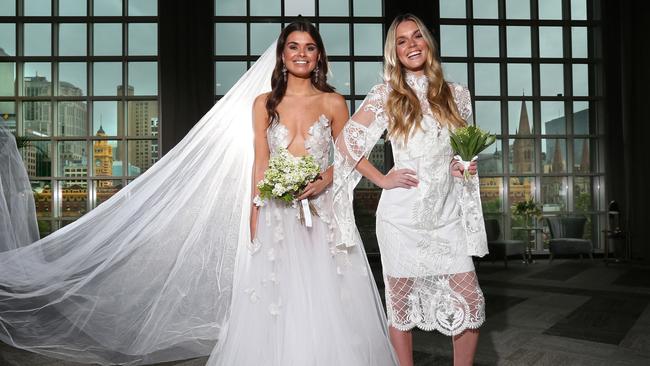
{"points": [[149, 275], [299, 300]]}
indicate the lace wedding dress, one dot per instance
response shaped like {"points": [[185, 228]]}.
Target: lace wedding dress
{"points": [[150, 275], [427, 234], [298, 300], [18, 226]]}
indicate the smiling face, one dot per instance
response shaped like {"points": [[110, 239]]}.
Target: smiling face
{"points": [[411, 47], [300, 54]]}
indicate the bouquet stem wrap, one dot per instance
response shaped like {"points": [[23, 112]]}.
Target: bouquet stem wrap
{"points": [[306, 212], [465, 164]]}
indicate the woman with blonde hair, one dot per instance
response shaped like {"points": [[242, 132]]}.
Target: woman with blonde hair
{"points": [[429, 219]]}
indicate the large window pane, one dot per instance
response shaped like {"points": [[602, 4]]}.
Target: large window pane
{"points": [[38, 39], [107, 78], [7, 8], [518, 41], [581, 156], [368, 40], [37, 7], [551, 79], [334, 8], [366, 75], [73, 117], [486, 41], [141, 156], [456, 72], [37, 80], [488, 116], [579, 9], [487, 79], [550, 9], [107, 7], [520, 118], [579, 43], [490, 161], [262, 35], [230, 7], [491, 192], [336, 38], [520, 189], [367, 8], [72, 78], [72, 8], [554, 194], [8, 115], [517, 9], [37, 157], [107, 158], [522, 156], [227, 73], [7, 39], [265, 7], [554, 156], [486, 9], [143, 8], [299, 7], [42, 190], [553, 120], [74, 196], [520, 80], [580, 80], [71, 158], [143, 118], [107, 39], [453, 40], [230, 38], [550, 42], [340, 76], [143, 39], [37, 119], [581, 125], [143, 77], [72, 39], [108, 118], [582, 191], [452, 9], [105, 189]]}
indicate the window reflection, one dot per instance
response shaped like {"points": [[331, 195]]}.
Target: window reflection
{"points": [[105, 189], [367, 8], [452, 9], [340, 76], [334, 8], [487, 79], [517, 9], [143, 78], [579, 43], [486, 9], [72, 79], [368, 40], [73, 118], [72, 8], [491, 192], [453, 40], [491, 160], [551, 79], [456, 72], [580, 80], [107, 78], [550, 42], [107, 7], [553, 120], [486, 41], [107, 39], [37, 39], [230, 38], [37, 119], [262, 35], [37, 80], [265, 7], [518, 41], [7, 78], [520, 118], [299, 7], [336, 38], [229, 7], [550, 9], [37, 7], [520, 80], [143, 39], [143, 8], [554, 156], [522, 155], [142, 154], [367, 75], [227, 73], [581, 125], [108, 116], [579, 9], [488, 115], [554, 194], [7, 7], [581, 156]]}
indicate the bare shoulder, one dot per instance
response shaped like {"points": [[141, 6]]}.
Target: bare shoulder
{"points": [[260, 100], [334, 101], [260, 116]]}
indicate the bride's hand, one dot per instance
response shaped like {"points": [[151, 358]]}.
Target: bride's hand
{"points": [[317, 186], [402, 178], [457, 168]]}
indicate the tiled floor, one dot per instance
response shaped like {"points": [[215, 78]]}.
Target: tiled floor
{"points": [[566, 313]]}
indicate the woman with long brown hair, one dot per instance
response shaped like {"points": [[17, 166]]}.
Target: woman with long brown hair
{"points": [[428, 221], [298, 300]]}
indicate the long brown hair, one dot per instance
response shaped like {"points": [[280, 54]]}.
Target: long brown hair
{"points": [[403, 106], [279, 83]]}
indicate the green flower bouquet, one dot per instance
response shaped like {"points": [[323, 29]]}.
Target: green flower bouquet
{"points": [[467, 142]]}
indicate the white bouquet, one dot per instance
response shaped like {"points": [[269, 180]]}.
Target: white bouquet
{"points": [[286, 176]]}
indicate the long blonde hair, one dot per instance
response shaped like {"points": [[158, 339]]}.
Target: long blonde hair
{"points": [[403, 106]]}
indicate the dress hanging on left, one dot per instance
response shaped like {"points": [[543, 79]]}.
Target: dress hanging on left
{"points": [[18, 225]]}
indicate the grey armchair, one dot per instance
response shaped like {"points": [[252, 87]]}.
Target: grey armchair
{"points": [[502, 248], [567, 237]]}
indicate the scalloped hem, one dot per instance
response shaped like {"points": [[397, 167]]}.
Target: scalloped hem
{"points": [[430, 327]]}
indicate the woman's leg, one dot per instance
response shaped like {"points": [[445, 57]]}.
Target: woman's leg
{"points": [[403, 345], [465, 347]]}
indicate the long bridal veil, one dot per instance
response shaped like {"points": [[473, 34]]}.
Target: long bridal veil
{"points": [[147, 276], [18, 225]]}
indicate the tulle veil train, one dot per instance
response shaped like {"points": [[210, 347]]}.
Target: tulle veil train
{"points": [[148, 275]]}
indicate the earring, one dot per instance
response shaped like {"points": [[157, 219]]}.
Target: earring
{"points": [[284, 72], [316, 70]]}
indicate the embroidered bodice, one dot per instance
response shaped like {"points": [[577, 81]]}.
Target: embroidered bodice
{"points": [[317, 143]]}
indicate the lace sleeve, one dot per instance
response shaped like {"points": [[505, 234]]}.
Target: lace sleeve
{"points": [[463, 100], [356, 141]]}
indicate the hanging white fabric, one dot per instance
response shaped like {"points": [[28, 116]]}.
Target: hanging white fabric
{"points": [[148, 275], [18, 225]]}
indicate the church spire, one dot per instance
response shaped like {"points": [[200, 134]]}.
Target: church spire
{"points": [[524, 125]]}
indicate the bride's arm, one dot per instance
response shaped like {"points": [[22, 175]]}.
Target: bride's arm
{"points": [[261, 163]]}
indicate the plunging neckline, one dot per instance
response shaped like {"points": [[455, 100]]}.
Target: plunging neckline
{"points": [[322, 117]]}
